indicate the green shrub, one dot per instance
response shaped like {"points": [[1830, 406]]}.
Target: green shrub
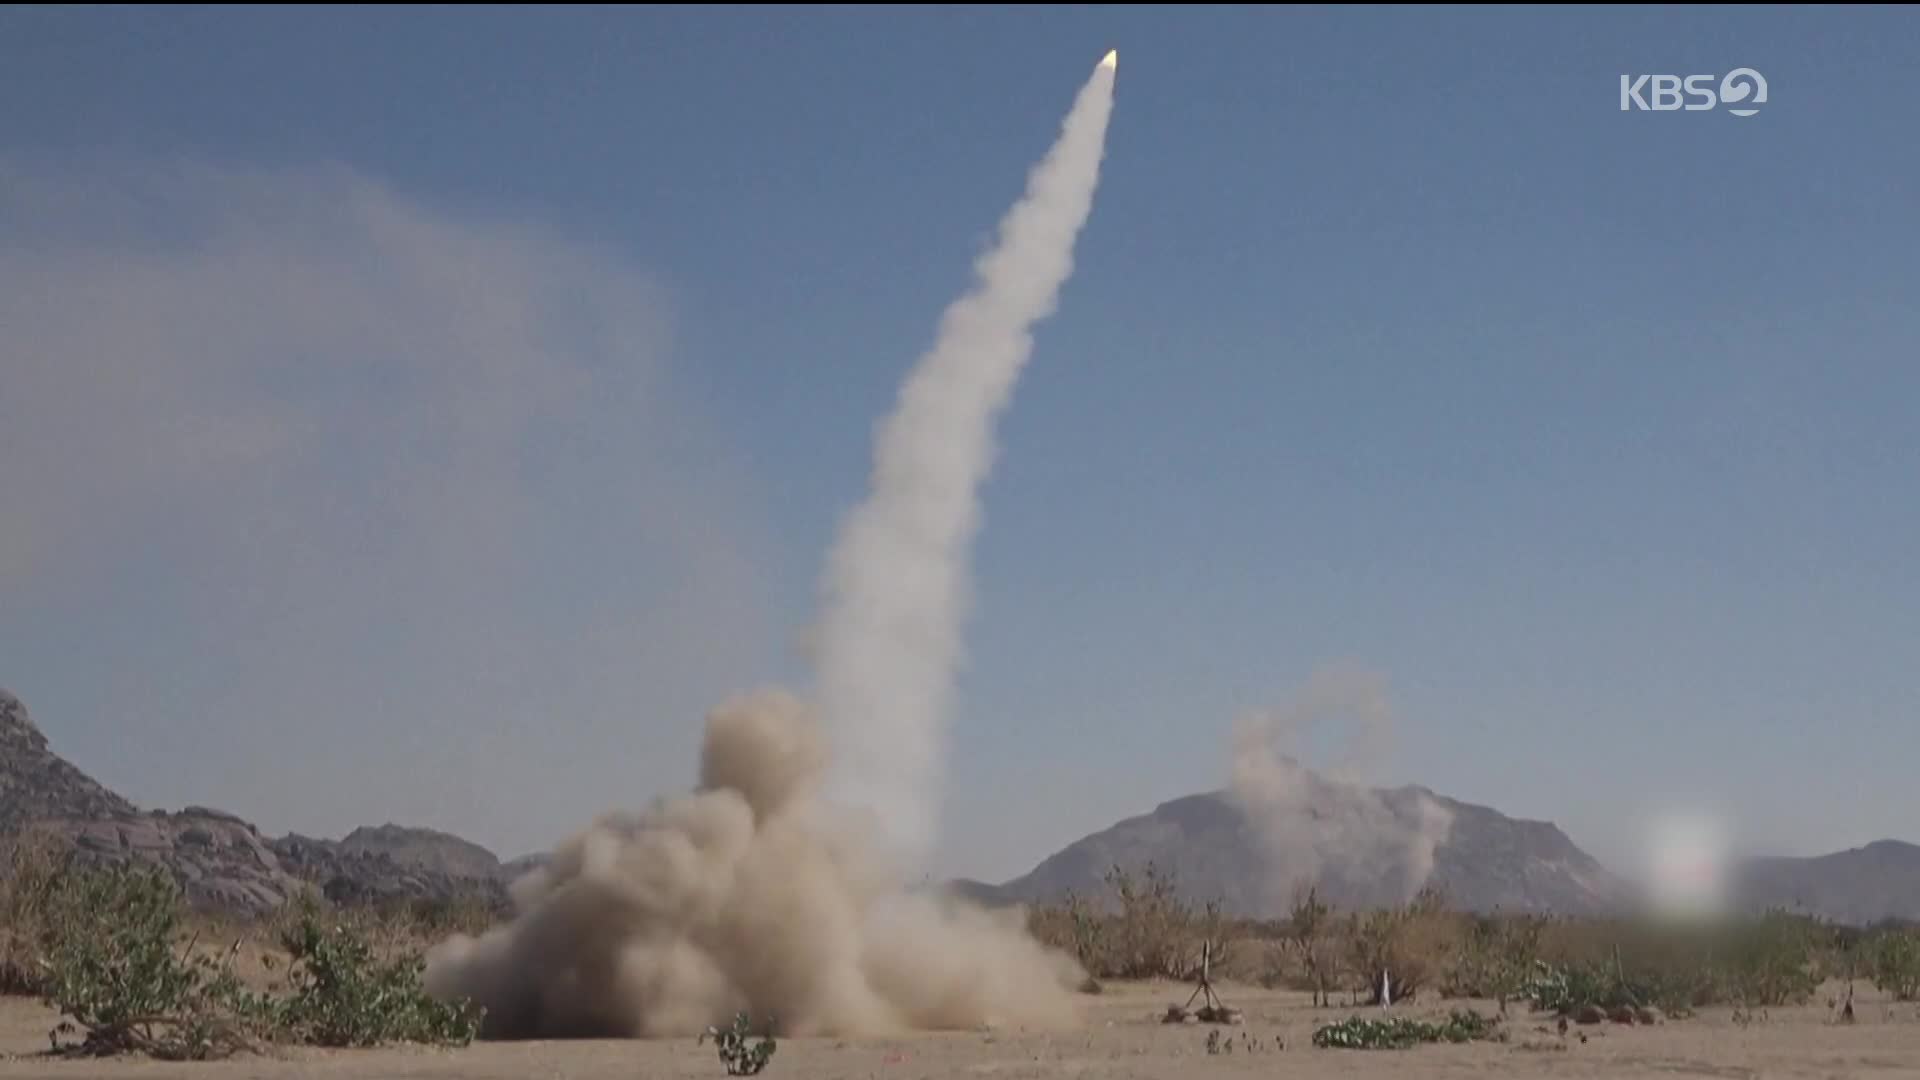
{"points": [[108, 963], [1769, 961], [1895, 960], [342, 994], [1399, 1033], [110, 966], [1495, 958], [739, 1058], [1609, 985]]}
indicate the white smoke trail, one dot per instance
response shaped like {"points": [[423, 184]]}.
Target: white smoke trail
{"points": [[895, 589]]}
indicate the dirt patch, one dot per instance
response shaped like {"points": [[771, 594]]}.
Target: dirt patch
{"points": [[1121, 1036]]}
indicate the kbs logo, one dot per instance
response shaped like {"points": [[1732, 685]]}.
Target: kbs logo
{"points": [[1744, 87]]}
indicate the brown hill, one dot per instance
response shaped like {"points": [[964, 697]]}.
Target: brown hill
{"points": [[1488, 861]]}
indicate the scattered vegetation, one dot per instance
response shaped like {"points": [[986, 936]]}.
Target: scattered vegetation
{"points": [[1600, 989], [1400, 1032], [437, 919], [739, 1058], [108, 941], [1307, 933], [1770, 961], [1495, 958], [343, 994], [1579, 968], [1219, 1043], [1144, 931], [1895, 962], [114, 957], [112, 949], [33, 864], [1398, 942]]}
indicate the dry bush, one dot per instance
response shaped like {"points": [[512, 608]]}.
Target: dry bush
{"points": [[1894, 959], [1494, 956], [34, 862], [1771, 960], [435, 920], [1144, 931], [1309, 956], [1569, 942], [1409, 943], [1556, 964], [1149, 936], [1076, 928]]}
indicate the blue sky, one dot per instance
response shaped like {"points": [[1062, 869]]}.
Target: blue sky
{"points": [[424, 416]]}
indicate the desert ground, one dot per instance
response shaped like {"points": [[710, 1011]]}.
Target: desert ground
{"points": [[1122, 1037]]}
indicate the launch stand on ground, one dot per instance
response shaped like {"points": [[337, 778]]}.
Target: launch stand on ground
{"points": [[1214, 1011]]}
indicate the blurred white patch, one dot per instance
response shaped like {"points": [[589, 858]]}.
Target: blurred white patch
{"points": [[1688, 865]]}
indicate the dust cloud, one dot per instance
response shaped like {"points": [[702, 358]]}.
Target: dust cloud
{"points": [[1313, 826], [747, 894]]}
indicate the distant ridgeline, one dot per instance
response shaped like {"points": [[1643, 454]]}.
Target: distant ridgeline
{"points": [[1487, 861], [220, 861]]}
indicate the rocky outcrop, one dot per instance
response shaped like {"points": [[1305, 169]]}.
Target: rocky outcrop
{"points": [[37, 784], [220, 861], [346, 873], [424, 849]]}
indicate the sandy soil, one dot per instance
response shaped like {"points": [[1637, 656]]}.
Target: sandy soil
{"points": [[1122, 1037]]}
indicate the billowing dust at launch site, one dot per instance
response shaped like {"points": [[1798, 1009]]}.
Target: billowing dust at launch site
{"points": [[776, 887]]}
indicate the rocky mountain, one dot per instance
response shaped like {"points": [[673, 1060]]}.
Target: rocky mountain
{"points": [[36, 783], [424, 849], [350, 872], [221, 861], [514, 869], [1863, 885], [1488, 861]]}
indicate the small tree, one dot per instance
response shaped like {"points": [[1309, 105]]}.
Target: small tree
{"points": [[1496, 959], [1306, 931], [1149, 935], [1896, 963], [1770, 961]]}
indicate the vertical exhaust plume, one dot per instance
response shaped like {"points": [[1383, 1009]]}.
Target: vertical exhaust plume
{"points": [[748, 893], [895, 589]]}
